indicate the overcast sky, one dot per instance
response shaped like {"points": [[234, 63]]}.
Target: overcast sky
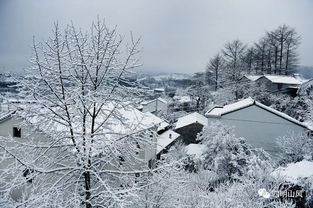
{"points": [[177, 35]]}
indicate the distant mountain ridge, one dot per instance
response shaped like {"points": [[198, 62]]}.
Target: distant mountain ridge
{"points": [[306, 71], [163, 76], [164, 80]]}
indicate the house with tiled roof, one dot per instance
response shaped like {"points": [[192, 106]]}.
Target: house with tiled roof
{"points": [[288, 84]]}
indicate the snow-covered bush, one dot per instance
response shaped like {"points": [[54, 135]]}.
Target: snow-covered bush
{"points": [[228, 156], [295, 147], [174, 187]]}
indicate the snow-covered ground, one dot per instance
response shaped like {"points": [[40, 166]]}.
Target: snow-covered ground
{"points": [[294, 172], [195, 150]]}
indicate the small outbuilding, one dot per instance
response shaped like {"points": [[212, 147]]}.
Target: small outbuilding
{"points": [[189, 126]]}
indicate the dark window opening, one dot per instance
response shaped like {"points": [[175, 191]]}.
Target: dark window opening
{"points": [[151, 163], [121, 160], [27, 173], [138, 146], [279, 86], [137, 175], [17, 132]]}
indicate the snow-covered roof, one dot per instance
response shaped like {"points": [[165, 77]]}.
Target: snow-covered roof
{"points": [[305, 86], [120, 121], [285, 79], [159, 89], [253, 77], [165, 139], [190, 119], [195, 150], [162, 100], [5, 116], [295, 171], [218, 111], [182, 99], [163, 125], [150, 101]]}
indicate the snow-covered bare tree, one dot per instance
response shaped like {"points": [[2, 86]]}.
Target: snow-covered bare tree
{"points": [[234, 53], [85, 144], [214, 70], [295, 147], [261, 57], [291, 45], [198, 91], [284, 42], [249, 59]]}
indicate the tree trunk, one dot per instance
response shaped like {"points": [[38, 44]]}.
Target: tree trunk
{"points": [[269, 63], [216, 79], [281, 54], [198, 103], [287, 61], [87, 189], [262, 62], [276, 58]]}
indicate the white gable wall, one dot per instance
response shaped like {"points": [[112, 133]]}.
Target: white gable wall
{"points": [[259, 127], [155, 106]]}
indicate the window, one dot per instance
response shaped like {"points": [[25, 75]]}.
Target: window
{"points": [[138, 148], [121, 160], [17, 132], [151, 163], [279, 86], [137, 145], [27, 173]]}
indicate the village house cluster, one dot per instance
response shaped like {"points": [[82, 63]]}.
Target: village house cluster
{"points": [[259, 124]]}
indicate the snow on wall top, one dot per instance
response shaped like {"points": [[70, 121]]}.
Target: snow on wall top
{"points": [[190, 119], [295, 171], [150, 101], [165, 139], [218, 111]]}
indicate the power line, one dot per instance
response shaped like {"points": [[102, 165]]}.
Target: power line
{"points": [[255, 121]]}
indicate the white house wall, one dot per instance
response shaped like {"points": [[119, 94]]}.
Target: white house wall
{"points": [[6, 128], [259, 127], [155, 106]]}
